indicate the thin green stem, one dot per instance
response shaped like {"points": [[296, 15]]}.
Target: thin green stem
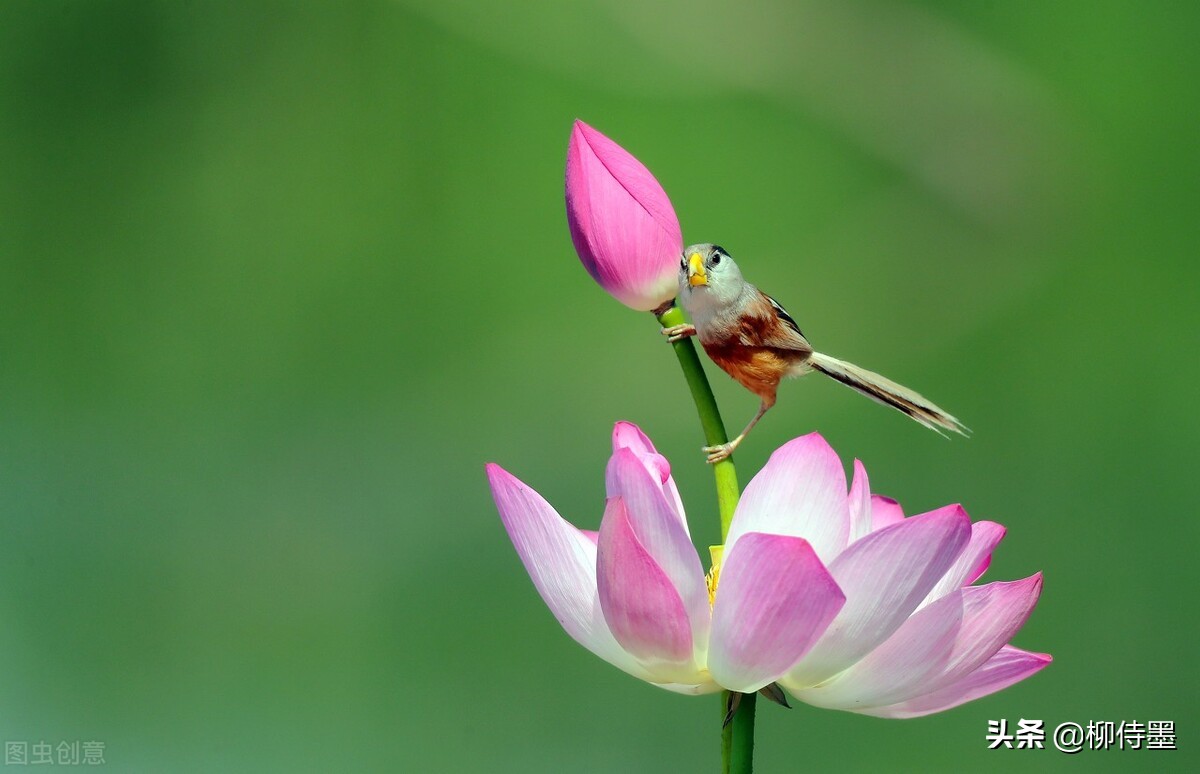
{"points": [[710, 418], [737, 738]]}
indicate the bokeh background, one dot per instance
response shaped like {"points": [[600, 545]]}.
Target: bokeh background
{"points": [[276, 279]]}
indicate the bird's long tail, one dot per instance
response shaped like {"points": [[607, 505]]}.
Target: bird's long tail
{"points": [[887, 392]]}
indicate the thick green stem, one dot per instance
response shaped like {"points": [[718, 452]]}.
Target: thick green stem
{"points": [[741, 752], [737, 738]]}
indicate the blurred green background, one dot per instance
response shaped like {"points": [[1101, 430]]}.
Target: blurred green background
{"points": [[276, 279]]}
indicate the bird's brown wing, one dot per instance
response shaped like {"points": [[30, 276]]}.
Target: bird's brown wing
{"points": [[775, 327]]}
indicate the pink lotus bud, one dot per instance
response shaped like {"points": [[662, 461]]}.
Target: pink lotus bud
{"points": [[621, 220]]}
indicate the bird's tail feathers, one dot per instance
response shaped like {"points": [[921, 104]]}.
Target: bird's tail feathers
{"points": [[887, 392]]}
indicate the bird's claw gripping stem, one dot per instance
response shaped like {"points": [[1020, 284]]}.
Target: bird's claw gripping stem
{"points": [[722, 451], [679, 332]]}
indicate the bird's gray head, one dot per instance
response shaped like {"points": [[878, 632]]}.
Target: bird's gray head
{"points": [[708, 277]]}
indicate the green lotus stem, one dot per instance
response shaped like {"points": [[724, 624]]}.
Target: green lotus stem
{"points": [[710, 417], [737, 738]]}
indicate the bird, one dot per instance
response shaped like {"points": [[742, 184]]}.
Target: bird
{"points": [[754, 340]]}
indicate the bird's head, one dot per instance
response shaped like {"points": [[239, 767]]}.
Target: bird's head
{"points": [[707, 272]]}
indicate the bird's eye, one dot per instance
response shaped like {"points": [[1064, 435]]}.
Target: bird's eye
{"points": [[682, 265], [716, 259]]}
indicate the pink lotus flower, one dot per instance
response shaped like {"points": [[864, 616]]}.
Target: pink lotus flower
{"points": [[837, 597], [621, 221]]}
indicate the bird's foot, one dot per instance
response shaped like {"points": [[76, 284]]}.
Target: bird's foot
{"points": [[718, 453], [679, 332]]}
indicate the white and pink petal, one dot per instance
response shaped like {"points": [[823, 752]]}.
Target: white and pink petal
{"points": [[859, 503], [885, 512], [773, 601], [938, 646], [643, 609], [1007, 667], [884, 576], [627, 435], [660, 532], [801, 492], [561, 562], [971, 563], [708, 685]]}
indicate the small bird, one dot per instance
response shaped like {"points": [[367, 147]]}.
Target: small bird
{"points": [[754, 340]]}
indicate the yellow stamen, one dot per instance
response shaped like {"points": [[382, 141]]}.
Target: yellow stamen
{"points": [[714, 572]]}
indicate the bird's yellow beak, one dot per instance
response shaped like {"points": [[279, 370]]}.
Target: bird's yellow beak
{"points": [[696, 275]]}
